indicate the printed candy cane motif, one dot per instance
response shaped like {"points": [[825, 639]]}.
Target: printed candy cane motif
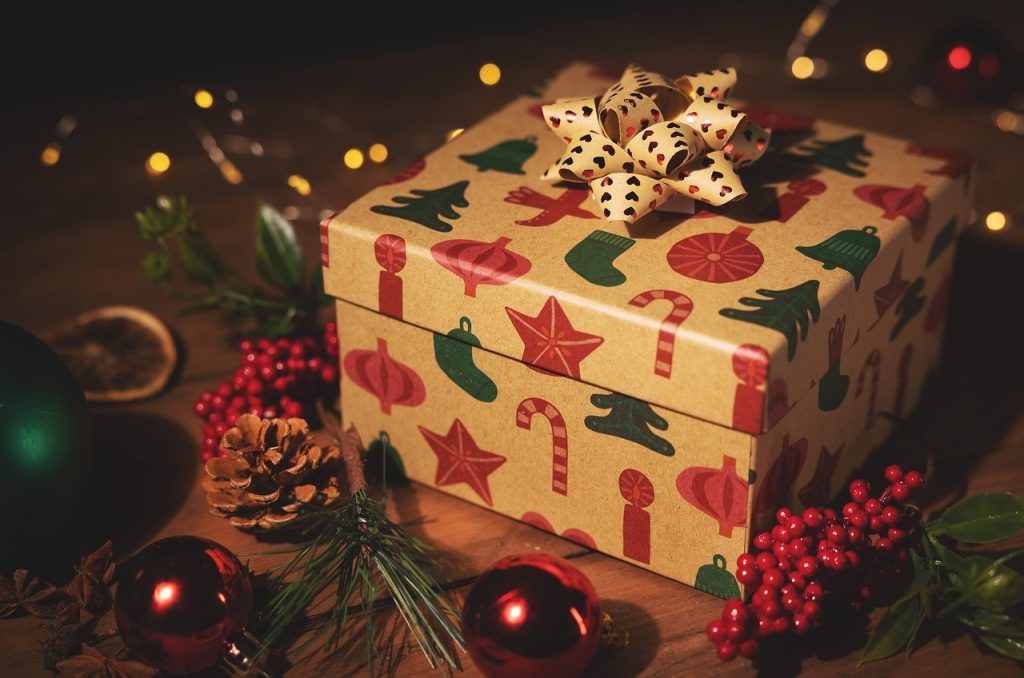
{"points": [[873, 362], [903, 374], [559, 438], [682, 306]]}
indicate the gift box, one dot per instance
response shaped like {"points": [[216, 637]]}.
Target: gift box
{"points": [[652, 387]]}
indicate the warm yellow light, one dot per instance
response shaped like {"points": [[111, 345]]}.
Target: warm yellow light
{"points": [[203, 98], [1005, 120], [877, 60], [51, 154], [378, 153], [230, 172], [490, 74], [802, 67], [300, 184], [995, 221], [158, 163], [353, 158], [813, 23], [454, 133]]}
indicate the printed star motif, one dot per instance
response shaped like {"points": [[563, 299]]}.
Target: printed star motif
{"points": [[460, 460], [818, 489], [887, 294], [550, 342]]}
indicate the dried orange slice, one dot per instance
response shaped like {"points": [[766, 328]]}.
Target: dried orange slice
{"points": [[117, 353]]}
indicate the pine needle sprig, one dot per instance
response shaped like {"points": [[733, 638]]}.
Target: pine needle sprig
{"points": [[349, 555]]}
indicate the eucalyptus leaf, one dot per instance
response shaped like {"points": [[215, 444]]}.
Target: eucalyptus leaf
{"points": [[994, 623], [981, 518], [279, 258], [895, 631], [1008, 647]]}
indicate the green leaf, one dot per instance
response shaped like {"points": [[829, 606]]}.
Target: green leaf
{"points": [[990, 584], [895, 631], [199, 259], [994, 623], [981, 518], [156, 266], [1008, 647], [279, 257]]}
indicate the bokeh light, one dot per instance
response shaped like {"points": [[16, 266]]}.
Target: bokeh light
{"points": [[802, 67], [300, 184], [51, 154], [452, 134], [877, 60], [378, 153], [959, 57], [490, 74], [353, 158], [158, 163], [203, 98], [230, 172], [996, 221]]}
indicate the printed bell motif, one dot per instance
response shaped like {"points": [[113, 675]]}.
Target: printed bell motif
{"points": [[508, 156], [850, 250], [713, 578]]}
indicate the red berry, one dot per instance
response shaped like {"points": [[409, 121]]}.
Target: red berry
{"points": [[876, 524], [734, 631], [801, 625], [726, 651], [853, 558], [812, 610], [891, 516], [896, 535], [839, 561], [900, 491], [748, 648], [314, 364], [893, 473], [873, 507], [792, 602], [797, 579], [254, 387], [858, 519], [813, 518], [849, 508], [829, 514], [883, 545], [774, 578], [781, 624], [859, 493], [782, 515], [766, 561], [785, 564], [835, 534], [807, 566], [734, 610], [201, 408], [796, 527], [746, 560], [768, 594], [748, 576], [796, 549], [771, 609], [329, 374], [780, 549], [763, 541], [913, 479], [765, 627], [715, 630]]}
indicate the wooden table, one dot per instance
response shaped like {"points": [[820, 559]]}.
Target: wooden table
{"points": [[68, 245]]}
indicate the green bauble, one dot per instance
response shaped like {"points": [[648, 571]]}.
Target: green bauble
{"points": [[45, 437]]}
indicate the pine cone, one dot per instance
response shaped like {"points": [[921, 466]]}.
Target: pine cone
{"points": [[271, 469]]}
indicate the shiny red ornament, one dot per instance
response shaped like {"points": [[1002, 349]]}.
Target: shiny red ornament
{"points": [[179, 602], [718, 492], [716, 257], [392, 382], [480, 263], [532, 615]]}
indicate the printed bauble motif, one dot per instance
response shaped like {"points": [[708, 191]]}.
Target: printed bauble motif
{"points": [[718, 492], [390, 381], [480, 263], [716, 257]]}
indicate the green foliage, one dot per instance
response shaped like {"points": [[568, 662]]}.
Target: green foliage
{"points": [[183, 253], [982, 593]]}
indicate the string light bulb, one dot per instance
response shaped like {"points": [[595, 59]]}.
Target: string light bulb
{"points": [[353, 158], [230, 172], [378, 153], [51, 154], [158, 163], [996, 221], [802, 67], [490, 74], [877, 60], [959, 57], [203, 98]]}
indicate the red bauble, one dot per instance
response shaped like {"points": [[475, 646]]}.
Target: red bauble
{"points": [[179, 601], [532, 615]]}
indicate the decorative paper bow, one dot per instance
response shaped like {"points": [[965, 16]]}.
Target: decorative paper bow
{"points": [[648, 139]]}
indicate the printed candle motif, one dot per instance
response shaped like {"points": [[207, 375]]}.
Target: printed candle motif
{"points": [[559, 438], [480, 263], [717, 492], [750, 365], [389, 251], [638, 490], [681, 309], [391, 382], [716, 257]]}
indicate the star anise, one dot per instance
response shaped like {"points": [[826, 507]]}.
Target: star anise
{"points": [[90, 585], [94, 664], [22, 591], [62, 638]]}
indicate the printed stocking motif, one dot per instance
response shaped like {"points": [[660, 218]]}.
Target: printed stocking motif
{"points": [[454, 355], [593, 258], [629, 419]]}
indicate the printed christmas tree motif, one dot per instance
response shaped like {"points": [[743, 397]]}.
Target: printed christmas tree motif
{"points": [[593, 258], [630, 420], [429, 206], [889, 293], [715, 579], [567, 204], [943, 239], [786, 311], [460, 460], [781, 475], [954, 164], [842, 155], [851, 250], [508, 156], [550, 342], [834, 384], [818, 490], [910, 305], [454, 355]]}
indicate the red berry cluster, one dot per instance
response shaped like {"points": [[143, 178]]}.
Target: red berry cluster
{"points": [[806, 559], [276, 378]]}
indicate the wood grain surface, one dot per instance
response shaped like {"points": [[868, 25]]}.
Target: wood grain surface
{"points": [[67, 244]]}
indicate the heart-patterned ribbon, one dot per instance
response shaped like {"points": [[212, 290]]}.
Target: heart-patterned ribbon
{"points": [[648, 139]]}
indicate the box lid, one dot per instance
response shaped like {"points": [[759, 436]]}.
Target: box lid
{"points": [[729, 315]]}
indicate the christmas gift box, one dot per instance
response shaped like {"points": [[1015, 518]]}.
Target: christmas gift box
{"points": [[641, 373]]}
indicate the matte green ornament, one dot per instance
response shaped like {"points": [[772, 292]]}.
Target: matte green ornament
{"points": [[713, 578], [508, 156], [45, 442], [850, 250], [454, 355]]}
